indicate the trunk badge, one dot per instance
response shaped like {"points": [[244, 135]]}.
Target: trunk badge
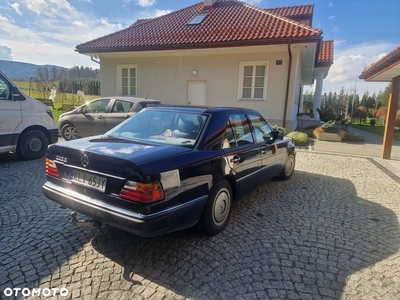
{"points": [[85, 160]]}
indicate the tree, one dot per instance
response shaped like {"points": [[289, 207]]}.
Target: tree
{"points": [[42, 73], [360, 113], [54, 73], [397, 122], [384, 97], [381, 112]]}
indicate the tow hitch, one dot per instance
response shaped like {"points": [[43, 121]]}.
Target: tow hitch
{"points": [[92, 224]]}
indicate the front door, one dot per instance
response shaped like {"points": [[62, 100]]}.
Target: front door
{"points": [[197, 92], [10, 114], [242, 153], [91, 121]]}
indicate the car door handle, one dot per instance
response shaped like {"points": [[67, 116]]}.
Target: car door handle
{"points": [[100, 117], [235, 159]]}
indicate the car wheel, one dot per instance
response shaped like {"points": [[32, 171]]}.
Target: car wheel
{"points": [[32, 144], [218, 209], [288, 170], [69, 132]]}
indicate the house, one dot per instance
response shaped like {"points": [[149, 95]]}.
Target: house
{"points": [[387, 69], [218, 53]]}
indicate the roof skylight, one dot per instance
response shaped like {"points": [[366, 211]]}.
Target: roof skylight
{"points": [[197, 19]]}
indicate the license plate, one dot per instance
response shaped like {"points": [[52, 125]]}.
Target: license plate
{"points": [[87, 179]]}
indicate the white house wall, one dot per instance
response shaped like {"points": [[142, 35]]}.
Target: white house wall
{"points": [[166, 79], [294, 90]]}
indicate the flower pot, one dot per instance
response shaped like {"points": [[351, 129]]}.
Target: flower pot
{"points": [[331, 137]]}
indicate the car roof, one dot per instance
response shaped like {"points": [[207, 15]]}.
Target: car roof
{"points": [[202, 109], [127, 98]]}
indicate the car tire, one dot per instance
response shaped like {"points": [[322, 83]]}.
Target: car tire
{"points": [[69, 132], [218, 209], [32, 144], [288, 169]]}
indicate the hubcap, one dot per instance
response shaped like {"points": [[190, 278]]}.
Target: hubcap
{"points": [[70, 133], [221, 207], [289, 165], [35, 144]]}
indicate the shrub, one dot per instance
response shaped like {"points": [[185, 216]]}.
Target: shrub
{"points": [[372, 122], [327, 114], [328, 127], [278, 128], [353, 137], [310, 133], [299, 138]]}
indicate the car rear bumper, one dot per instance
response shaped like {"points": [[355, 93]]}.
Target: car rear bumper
{"points": [[171, 219]]}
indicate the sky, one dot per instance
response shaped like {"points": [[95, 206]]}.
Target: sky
{"points": [[47, 31]]}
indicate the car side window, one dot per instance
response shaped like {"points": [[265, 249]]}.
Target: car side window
{"points": [[5, 90], [237, 131], [98, 106], [121, 106], [262, 131]]}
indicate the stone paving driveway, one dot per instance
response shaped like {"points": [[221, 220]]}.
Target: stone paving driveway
{"points": [[331, 232]]}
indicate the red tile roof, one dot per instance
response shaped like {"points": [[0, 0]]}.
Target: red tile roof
{"points": [[385, 63], [293, 12], [228, 23], [141, 21], [325, 54]]}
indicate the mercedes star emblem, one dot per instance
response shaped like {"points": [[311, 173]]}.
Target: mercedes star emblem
{"points": [[85, 160]]}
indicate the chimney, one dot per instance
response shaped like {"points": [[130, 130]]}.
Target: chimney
{"points": [[208, 4]]}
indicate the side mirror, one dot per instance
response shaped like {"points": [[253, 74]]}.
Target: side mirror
{"points": [[16, 94], [277, 135]]}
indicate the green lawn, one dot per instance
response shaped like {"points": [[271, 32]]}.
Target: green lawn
{"points": [[63, 101], [377, 129]]}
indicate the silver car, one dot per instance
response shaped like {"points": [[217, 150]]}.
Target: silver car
{"points": [[100, 115]]}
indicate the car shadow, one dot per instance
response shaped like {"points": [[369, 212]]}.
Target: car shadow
{"points": [[37, 238], [285, 239], [304, 237]]}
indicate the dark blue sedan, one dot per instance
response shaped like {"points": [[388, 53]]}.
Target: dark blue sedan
{"points": [[168, 168]]}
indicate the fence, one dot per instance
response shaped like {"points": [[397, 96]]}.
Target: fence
{"points": [[89, 87]]}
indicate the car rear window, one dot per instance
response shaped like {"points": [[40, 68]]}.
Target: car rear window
{"points": [[162, 126]]}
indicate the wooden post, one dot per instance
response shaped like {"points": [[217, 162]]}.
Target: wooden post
{"points": [[391, 118]]}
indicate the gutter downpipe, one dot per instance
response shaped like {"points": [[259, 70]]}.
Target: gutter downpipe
{"points": [[287, 84], [92, 59]]}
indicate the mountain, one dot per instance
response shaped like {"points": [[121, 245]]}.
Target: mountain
{"points": [[22, 71]]}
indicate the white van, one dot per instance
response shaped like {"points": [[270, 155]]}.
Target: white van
{"points": [[26, 125]]}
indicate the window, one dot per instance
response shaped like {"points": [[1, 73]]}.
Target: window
{"points": [[253, 80], [197, 19], [262, 131], [237, 131], [127, 80], [5, 89], [98, 106], [121, 106], [165, 127]]}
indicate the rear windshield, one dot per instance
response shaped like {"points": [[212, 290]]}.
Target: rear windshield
{"points": [[166, 127]]}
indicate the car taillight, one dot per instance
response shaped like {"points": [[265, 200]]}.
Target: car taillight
{"points": [[51, 168], [142, 192]]}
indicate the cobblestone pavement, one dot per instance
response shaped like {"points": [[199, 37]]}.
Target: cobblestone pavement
{"points": [[331, 232], [372, 146]]}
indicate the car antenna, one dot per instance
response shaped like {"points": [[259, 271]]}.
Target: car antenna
{"points": [[147, 97]]}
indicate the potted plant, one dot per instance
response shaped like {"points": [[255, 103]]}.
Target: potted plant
{"points": [[329, 132]]}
